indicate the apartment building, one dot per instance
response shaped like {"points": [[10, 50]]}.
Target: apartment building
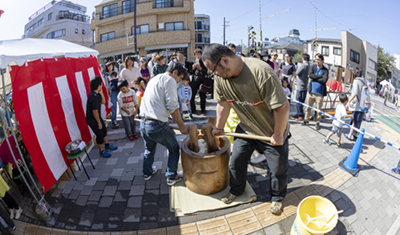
{"points": [[162, 26], [349, 52], [60, 20], [202, 27]]}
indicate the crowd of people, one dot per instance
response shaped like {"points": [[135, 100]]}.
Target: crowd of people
{"points": [[252, 99]]}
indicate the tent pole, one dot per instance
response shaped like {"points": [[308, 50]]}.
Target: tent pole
{"points": [[19, 150]]}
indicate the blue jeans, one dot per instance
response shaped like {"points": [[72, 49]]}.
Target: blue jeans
{"points": [[189, 109], [154, 132], [114, 99]]}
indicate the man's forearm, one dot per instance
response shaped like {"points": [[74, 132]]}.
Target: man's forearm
{"points": [[176, 115], [281, 115], [96, 115], [223, 109]]}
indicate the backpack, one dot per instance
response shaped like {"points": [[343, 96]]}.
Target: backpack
{"points": [[365, 99]]}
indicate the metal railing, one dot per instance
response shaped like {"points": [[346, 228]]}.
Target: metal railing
{"points": [[49, 5], [72, 16], [167, 3]]}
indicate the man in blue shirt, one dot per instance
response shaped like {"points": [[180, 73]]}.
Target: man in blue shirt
{"points": [[316, 88]]}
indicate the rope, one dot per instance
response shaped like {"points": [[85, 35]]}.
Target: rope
{"points": [[345, 123]]}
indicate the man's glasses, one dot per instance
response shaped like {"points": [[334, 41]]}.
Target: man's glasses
{"points": [[216, 65]]}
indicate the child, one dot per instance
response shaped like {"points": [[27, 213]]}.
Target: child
{"points": [[340, 114], [114, 98], [285, 85], [185, 94], [138, 85], [128, 104], [93, 117]]}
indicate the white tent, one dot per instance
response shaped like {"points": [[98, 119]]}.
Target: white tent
{"points": [[21, 50]]}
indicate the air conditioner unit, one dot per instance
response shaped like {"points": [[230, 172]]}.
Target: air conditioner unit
{"points": [[160, 25]]}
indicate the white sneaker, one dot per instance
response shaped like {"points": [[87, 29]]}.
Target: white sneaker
{"points": [[12, 213], [18, 213], [258, 158]]}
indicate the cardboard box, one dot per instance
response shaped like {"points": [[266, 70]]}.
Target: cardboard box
{"points": [[67, 175]]}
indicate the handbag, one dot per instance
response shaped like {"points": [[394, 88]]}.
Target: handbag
{"points": [[184, 107]]}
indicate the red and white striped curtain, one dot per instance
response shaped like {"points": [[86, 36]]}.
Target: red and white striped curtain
{"points": [[50, 98]]}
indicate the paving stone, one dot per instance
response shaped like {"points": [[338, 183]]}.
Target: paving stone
{"points": [[133, 160], [136, 190], [152, 184], [121, 196], [128, 176], [150, 208], [81, 201], [135, 202], [99, 186], [117, 172], [79, 186], [68, 189], [151, 196], [95, 195], [109, 190], [92, 181], [56, 192], [111, 161], [105, 201], [132, 215], [124, 185], [74, 194], [98, 225], [113, 181], [87, 190]]}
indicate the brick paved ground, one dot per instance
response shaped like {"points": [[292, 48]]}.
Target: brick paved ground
{"points": [[116, 198]]}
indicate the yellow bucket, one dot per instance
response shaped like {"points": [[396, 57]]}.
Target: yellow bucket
{"points": [[313, 213]]}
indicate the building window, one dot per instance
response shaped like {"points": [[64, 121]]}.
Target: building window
{"points": [[206, 27], [56, 34], [207, 40], [337, 51], [141, 29], [40, 21], [50, 16], [164, 3], [175, 26], [107, 36], [128, 6], [372, 64], [199, 37], [355, 56], [110, 10], [198, 25], [325, 51]]}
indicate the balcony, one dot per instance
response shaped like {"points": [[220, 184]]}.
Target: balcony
{"points": [[153, 38], [72, 16]]}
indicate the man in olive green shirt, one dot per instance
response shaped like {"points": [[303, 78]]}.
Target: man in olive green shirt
{"points": [[253, 90]]}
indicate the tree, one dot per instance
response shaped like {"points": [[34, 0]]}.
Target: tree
{"points": [[385, 63], [298, 57]]}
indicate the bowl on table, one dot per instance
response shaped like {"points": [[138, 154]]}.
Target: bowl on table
{"points": [[73, 147]]}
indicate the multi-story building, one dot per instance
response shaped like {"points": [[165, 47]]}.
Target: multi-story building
{"points": [[202, 26], [289, 48], [162, 26], [60, 20], [397, 61], [349, 52], [293, 37]]}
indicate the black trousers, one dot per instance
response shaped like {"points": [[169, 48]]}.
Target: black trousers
{"points": [[6, 218], [195, 85], [11, 203], [277, 159], [300, 96]]}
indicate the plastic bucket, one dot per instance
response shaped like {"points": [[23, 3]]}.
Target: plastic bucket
{"points": [[312, 216]]}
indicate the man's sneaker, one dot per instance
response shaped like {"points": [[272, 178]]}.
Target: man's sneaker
{"points": [[115, 124], [299, 119], [338, 145], [171, 182], [327, 142], [305, 123], [135, 137], [130, 137], [295, 116], [276, 208], [105, 154], [147, 177], [110, 147], [18, 213], [317, 126], [258, 158], [191, 117], [395, 171]]}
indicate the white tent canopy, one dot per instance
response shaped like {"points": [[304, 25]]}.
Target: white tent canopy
{"points": [[22, 50]]}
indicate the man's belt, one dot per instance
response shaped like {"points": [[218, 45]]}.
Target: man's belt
{"points": [[150, 119]]}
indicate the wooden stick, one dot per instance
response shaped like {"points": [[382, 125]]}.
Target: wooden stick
{"points": [[211, 141], [193, 138]]}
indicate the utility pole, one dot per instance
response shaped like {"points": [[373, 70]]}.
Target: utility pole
{"points": [[134, 25], [261, 44], [225, 25]]}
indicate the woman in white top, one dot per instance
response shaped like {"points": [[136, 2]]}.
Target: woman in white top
{"points": [[130, 73]]}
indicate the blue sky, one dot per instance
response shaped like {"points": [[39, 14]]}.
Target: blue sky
{"points": [[374, 21]]}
